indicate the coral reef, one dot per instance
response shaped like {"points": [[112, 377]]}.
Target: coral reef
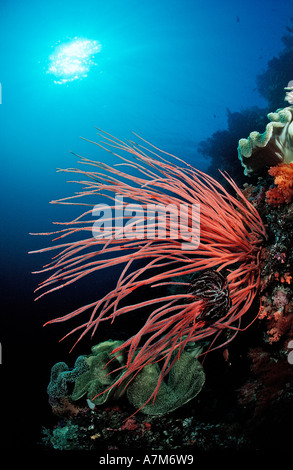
{"points": [[111, 430], [270, 380], [276, 256], [224, 259], [247, 396], [246, 401]]}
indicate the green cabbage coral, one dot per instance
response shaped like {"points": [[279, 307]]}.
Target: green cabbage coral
{"points": [[94, 376], [96, 383], [185, 380]]}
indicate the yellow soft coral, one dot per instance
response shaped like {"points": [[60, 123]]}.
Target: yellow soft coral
{"points": [[282, 192]]}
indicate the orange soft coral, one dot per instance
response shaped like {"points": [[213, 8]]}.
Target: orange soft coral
{"points": [[282, 192]]}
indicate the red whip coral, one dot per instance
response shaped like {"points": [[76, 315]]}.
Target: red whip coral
{"points": [[282, 192], [231, 233]]}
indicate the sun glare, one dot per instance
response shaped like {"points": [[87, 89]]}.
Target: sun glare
{"points": [[73, 60]]}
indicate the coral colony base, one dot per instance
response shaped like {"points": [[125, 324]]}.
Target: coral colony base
{"points": [[241, 262]]}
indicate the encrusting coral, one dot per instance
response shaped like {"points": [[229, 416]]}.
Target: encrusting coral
{"points": [[274, 203]]}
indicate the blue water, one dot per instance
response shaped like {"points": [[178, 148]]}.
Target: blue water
{"points": [[167, 70]]}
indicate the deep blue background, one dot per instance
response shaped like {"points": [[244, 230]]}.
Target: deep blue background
{"points": [[168, 70]]}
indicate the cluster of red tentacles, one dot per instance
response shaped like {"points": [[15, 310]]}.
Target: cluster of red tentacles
{"points": [[231, 234]]}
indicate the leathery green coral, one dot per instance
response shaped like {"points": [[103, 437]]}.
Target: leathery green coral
{"points": [[94, 375], [184, 382], [270, 148]]}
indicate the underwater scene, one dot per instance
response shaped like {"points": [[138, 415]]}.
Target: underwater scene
{"points": [[147, 228]]}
